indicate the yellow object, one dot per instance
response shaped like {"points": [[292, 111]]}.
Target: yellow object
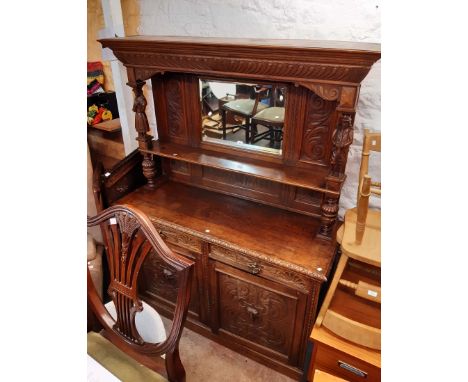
{"points": [[93, 108], [107, 115]]}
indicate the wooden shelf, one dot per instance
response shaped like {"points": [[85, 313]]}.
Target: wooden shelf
{"points": [[237, 222], [109, 126], [260, 169]]}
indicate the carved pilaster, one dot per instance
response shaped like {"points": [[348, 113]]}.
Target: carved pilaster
{"points": [[342, 139], [141, 121], [330, 207], [149, 170]]}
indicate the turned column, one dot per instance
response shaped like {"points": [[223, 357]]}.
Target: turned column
{"points": [[342, 139], [142, 127]]}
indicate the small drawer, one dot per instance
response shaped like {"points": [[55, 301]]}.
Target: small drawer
{"points": [[180, 239], [343, 365], [261, 268]]}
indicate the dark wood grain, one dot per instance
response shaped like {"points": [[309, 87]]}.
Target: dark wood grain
{"points": [[311, 180], [252, 227], [129, 237], [258, 226]]}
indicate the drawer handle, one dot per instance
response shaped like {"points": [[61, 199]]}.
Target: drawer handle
{"points": [[253, 312], [254, 268], [168, 274], [162, 234], [352, 369]]}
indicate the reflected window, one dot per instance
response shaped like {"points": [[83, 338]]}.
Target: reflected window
{"points": [[243, 114]]}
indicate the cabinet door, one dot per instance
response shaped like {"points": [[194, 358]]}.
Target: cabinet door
{"points": [[158, 283], [264, 316]]}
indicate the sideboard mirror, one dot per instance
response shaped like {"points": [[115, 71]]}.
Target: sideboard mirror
{"points": [[243, 114]]}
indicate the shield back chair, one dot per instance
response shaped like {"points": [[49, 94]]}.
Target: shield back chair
{"points": [[359, 239], [245, 108], [122, 346]]}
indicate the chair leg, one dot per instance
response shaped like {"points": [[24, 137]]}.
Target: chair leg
{"points": [[272, 136], [247, 130], [174, 367], [253, 132], [223, 117]]}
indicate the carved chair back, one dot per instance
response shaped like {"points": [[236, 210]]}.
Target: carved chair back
{"points": [[129, 237]]}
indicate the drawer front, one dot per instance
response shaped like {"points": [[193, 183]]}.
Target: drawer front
{"points": [[261, 268], [269, 316], [160, 283], [180, 239], [342, 365]]}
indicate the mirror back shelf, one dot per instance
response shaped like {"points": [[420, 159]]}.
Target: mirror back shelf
{"points": [[265, 120]]}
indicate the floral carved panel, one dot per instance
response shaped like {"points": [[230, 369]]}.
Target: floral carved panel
{"points": [[256, 314]]}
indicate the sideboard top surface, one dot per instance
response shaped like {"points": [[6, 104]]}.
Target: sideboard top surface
{"points": [[241, 224]]}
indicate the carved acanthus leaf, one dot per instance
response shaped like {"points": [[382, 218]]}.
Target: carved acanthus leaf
{"points": [[128, 225]]}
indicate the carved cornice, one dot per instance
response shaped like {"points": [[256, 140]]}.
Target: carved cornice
{"points": [[153, 63], [279, 60]]}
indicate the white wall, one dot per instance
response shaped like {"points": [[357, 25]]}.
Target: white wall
{"points": [[346, 20]]}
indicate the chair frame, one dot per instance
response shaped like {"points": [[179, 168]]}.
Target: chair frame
{"points": [[129, 237], [247, 126]]}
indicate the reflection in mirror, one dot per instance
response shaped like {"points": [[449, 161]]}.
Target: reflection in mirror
{"points": [[242, 114]]}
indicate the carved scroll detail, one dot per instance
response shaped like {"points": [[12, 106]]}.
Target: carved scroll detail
{"points": [[175, 108], [316, 129], [324, 91]]}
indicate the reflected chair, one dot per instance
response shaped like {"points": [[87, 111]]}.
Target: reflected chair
{"points": [[359, 238], [246, 108], [273, 119], [123, 347]]}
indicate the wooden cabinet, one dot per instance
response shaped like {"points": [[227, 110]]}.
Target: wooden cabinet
{"points": [[259, 225], [342, 358], [266, 316], [159, 285]]}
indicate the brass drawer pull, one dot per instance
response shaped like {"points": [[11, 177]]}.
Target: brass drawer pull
{"points": [[253, 312], [352, 369], [254, 268]]}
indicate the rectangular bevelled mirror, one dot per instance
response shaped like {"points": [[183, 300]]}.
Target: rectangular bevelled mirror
{"points": [[243, 114]]}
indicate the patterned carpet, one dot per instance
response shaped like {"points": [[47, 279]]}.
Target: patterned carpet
{"points": [[207, 361]]}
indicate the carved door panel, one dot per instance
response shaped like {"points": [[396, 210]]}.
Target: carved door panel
{"points": [[158, 283], [268, 316]]}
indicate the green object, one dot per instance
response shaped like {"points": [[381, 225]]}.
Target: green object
{"points": [[118, 363], [244, 106], [272, 114]]}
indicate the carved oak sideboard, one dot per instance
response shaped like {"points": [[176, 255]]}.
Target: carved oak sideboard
{"points": [[258, 222]]}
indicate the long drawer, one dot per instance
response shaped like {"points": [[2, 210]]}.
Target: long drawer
{"points": [[261, 268]]}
